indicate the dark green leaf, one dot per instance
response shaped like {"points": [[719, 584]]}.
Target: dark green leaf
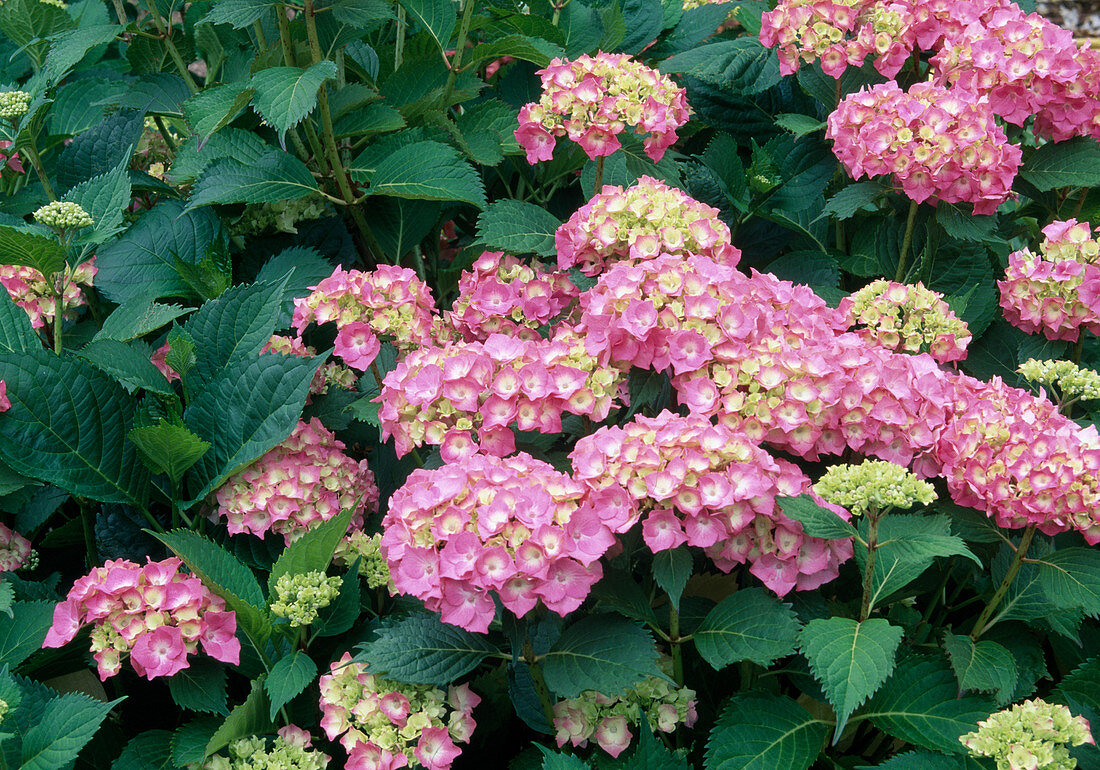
{"points": [[216, 107], [194, 155], [137, 318], [23, 631], [237, 13], [274, 176], [101, 147], [751, 624], [428, 171], [289, 677], [517, 227], [401, 224], [45, 255], [855, 197], [372, 119], [67, 723], [421, 649], [606, 653], [1074, 163], [247, 719], [201, 687], [815, 520], [16, 333], [742, 65], [68, 48], [1070, 577], [150, 750], [438, 17], [283, 96], [984, 666], [126, 363], [671, 570], [761, 731]]}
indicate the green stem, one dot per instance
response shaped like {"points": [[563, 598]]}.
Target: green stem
{"points": [[869, 571], [173, 52], [456, 60], [164, 133], [261, 38], [539, 680], [982, 622], [57, 321], [674, 643], [120, 11], [36, 161], [284, 35], [399, 43], [906, 241], [598, 185], [1080, 202]]}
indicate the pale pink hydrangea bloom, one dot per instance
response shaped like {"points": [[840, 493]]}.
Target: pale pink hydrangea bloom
{"points": [[712, 487], [155, 613], [907, 319], [938, 143], [1056, 291], [513, 526], [592, 99], [1014, 456], [641, 222], [500, 294], [840, 33], [303, 481], [30, 290], [9, 158], [386, 725], [387, 303], [5, 402], [330, 374], [464, 396], [15, 550]]}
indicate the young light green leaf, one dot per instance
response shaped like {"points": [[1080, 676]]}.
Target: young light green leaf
{"points": [[274, 176], [312, 552], [606, 653], [517, 227], [428, 171], [216, 107], [127, 364], [248, 719], [289, 677], [850, 659], [751, 624], [421, 649], [984, 666], [201, 687], [436, 16], [45, 255], [283, 96], [815, 520], [65, 725], [671, 570], [761, 731], [169, 448]]}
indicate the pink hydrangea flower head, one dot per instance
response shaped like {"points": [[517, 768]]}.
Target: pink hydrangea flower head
{"points": [[1057, 291], [938, 143], [9, 158], [385, 304], [592, 99], [15, 550], [840, 33], [907, 319], [303, 481], [513, 526], [640, 222], [155, 614], [422, 734], [500, 294], [29, 289]]}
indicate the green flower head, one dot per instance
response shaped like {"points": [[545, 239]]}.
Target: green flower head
{"points": [[1071, 381], [63, 215], [300, 597], [872, 486], [14, 104], [1032, 735]]}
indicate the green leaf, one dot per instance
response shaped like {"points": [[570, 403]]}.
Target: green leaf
{"points": [[77, 104], [105, 198], [532, 49], [180, 357], [28, 24], [283, 96], [194, 155], [960, 222], [399, 225], [761, 731], [67, 425], [104, 146], [1074, 163], [150, 750], [169, 448], [301, 268], [815, 520], [920, 705], [438, 17], [926, 760], [7, 598], [855, 197], [517, 227], [806, 165], [201, 687], [312, 552], [643, 21], [137, 318], [68, 48], [552, 760], [274, 176], [799, 125], [216, 107], [224, 574], [850, 659], [189, 741], [127, 364], [341, 615], [742, 65], [141, 263], [606, 653], [16, 333], [427, 171], [289, 677], [984, 666], [1070, 577], [751, 624], [372, 119], [421, 649], [45, 255], [237, 13], [22, 632], [247, 719], [671, 570], [66, 724], [487, 132]]}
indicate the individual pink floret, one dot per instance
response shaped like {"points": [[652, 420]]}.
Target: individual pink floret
{"points": [[514, 527], [592, 99], [155, 613]]}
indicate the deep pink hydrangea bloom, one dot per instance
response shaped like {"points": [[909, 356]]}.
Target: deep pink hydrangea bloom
{"points": [[640, 222], [385, 725], [30, 290], [593, 98], [303, 481], [500, 294], [387, 303], [15, 550], [938, 143], [5, 402], [712, 487], [9, 158], [1014, 456], [1056, 291], [839, 33], [513, 526], [464, 396], [155, 613], [907, 319]]}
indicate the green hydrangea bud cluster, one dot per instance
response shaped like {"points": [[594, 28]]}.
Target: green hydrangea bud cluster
{"points": [[255, 754], [909, 319], [372, 564], [279, 217], [299, 597], [56, 4], [14, 104], [63, 215], [4, 709], [1071, 380], [873, 485], [1032, 735]]}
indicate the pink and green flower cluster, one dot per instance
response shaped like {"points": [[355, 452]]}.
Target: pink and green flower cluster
{"points": [[29, 289], [15, 550], [907, 319]]}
